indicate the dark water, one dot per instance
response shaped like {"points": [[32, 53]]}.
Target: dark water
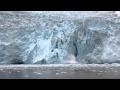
{"points": [[53, 74]]}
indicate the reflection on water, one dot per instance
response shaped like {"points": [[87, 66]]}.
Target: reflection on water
{"points": [[36, 74]]}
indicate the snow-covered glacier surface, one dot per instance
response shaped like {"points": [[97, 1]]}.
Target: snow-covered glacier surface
{"points": [[59, 37]]}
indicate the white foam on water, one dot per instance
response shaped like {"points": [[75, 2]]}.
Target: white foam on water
{"points": [[37, 72]]}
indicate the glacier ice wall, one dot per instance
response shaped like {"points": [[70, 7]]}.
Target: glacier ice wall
{"points": [[34, 37]]}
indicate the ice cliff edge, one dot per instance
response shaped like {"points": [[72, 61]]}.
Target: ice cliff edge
{"points": [[49, 37]]}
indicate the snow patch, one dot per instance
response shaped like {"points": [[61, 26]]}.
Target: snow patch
{"points": [[117, 13]]}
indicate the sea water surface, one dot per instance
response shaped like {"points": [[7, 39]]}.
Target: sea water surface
{"points": [[69, 71]]}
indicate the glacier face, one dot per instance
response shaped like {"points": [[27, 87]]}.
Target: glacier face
{"points": [[59, 37]]}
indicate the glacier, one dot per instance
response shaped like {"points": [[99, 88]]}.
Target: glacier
{"points": [[59, 37]]}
